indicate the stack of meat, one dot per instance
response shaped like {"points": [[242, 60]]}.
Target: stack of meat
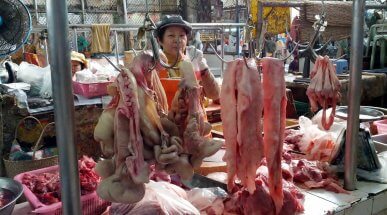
{"points": [[243, 98], [137, 129], [46, 186], [324, 89]]}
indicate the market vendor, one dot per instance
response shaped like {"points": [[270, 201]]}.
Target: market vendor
{"points": [[78, 62], [172, 34]]}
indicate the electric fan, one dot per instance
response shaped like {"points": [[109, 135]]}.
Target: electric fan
{"points": [[15, 26]]}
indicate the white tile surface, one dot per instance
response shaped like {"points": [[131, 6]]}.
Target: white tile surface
{"points": [[340, 199], [314, 205], [371, 187], [380, 203], [360, 208], [340, 212]]}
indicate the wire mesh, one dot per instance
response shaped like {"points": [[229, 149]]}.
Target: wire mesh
{"points": [[111, 12]]}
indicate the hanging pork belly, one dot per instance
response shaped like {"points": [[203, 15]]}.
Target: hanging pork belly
{"points": [[324, 89]]}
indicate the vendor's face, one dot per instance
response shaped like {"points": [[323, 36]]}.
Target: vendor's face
{"points": [[75, 66], [170, 39]]}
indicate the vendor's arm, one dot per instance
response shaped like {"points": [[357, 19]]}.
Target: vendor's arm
{"points": [[210, 86]]}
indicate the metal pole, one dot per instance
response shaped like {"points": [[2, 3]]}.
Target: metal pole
{"points": [[83, 11], [238, 33], [75, 40], [352, 134], [116, 49], [57, 23], [376, 6], [36, 11], [222, 52], [83, 16], [283, 4], [46, 49], [125, 12], [259, 25]]}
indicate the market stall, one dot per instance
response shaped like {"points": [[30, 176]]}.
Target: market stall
{"points": [[230, 150]]}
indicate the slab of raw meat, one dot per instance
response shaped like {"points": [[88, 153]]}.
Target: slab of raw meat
{"points": [[324, 89], [241, 112], [274, 105]]}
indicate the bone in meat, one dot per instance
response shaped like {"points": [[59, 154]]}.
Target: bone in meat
{"points": [[274, 102]]}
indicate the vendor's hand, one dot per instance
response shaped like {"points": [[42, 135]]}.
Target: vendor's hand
{"points": [[196, 56]]}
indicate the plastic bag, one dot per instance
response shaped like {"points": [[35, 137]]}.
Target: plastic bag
{"points": [[85, 76], [160, 198], [21, 97], [38, 77], [318, 144], [103, 70], [46, 90], [208, 200]]}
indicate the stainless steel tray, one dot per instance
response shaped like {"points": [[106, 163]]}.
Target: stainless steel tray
{"points": [[366, 113]]}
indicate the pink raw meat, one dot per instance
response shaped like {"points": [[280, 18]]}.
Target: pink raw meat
{"points": [[274, 103], [324, 89], [241, 102], [228, 101]]}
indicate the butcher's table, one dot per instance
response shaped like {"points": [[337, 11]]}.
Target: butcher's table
{"points": [[373, 89], [369, 199]]}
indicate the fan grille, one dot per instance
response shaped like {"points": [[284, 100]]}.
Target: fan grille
{"points": [[16, 26]]}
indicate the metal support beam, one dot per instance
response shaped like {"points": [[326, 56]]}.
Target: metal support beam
{"points": [[57, 22], [222, 52], [352, 134], [116, 49], [238, 36], [259, 25], [125, 5], [376, 6], [83, 11], [282, 4], [36, 11], [75, 39]]}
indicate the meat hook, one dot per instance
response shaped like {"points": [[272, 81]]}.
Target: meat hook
{"points": [[134, 51], [217, 55], [111, 63], [156, 55], [291, 53]]}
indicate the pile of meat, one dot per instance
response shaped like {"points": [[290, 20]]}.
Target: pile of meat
{"points": [[138, 129], [324, 89], [46, 186]]}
